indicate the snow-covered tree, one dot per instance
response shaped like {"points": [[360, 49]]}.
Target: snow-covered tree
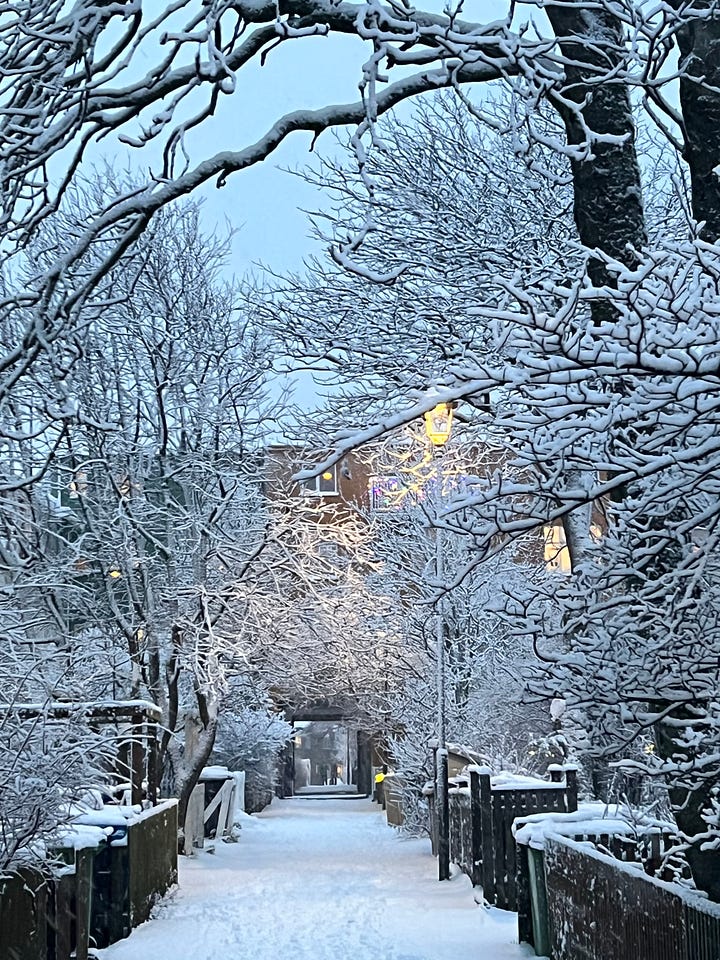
{"points": [[482, 652], [150, 79], [591, 368], [611, 364]]}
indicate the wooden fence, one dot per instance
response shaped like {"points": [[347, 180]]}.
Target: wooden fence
{"points": [[132, 872], [392, 799], [97, 898], [23, 917], [47, 916], [481, 816], [650, 849], [211, 808], [600, 909]]}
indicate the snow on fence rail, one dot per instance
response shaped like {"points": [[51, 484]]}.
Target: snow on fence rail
{"points": [[482, 810], [602, 909]]}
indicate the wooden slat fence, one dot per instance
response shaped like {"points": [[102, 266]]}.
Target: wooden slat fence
{"points": [[24, 916], [393, 789], [219, 813], [481, 817], [133, 872], [600, 909], [210, 810], [499, 883], [651, 850], [44, 916], [459, 808]]}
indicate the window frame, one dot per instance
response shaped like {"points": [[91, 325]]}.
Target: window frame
{"points": [[313, 484]]}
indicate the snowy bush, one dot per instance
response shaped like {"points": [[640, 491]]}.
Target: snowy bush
{"points": [[47, 768], [252, 739]]}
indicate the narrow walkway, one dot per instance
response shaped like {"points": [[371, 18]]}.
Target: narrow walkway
{"points": [[320, 879]]}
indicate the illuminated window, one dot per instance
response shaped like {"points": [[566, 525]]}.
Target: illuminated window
{"points": [[385, 492], [325, 483], [557, 555], [78, 485]]}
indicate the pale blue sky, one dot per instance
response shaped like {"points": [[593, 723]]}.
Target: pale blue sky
{"points": [[262, 202]]}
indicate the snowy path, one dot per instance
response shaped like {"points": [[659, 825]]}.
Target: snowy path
{"points": [[320, 879]]}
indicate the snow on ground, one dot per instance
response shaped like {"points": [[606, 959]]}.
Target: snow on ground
{"points": [[315, 788], [314, 878]]}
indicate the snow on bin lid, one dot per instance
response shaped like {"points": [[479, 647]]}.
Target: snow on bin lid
{"points": [[80, 836], [216, 773]]}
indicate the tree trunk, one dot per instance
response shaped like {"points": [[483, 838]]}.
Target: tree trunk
{"points": [[608, 207], [699, 43], [607, 192], [609, 216], [198, 747]]}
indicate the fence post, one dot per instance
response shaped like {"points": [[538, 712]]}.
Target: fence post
{"points": [[443, 806], [83, 901], [137, 759], [227, 807], [433, 807], [153, 763], [475, 827], [486, 830], [194, 828], [432, 825], [571, 788], [59, 916]]}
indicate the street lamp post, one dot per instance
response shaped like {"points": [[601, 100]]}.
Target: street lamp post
{"points": [[438, 425]]}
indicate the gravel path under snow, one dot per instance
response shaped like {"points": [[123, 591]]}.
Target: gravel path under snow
{"points": [[320, 879]]}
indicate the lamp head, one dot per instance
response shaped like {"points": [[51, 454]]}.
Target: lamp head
{"points": [[438, 424]]}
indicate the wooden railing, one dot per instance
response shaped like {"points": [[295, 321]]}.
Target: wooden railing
{"points": [[600, 909], [481, 818], [211, 809], [651, 846]]}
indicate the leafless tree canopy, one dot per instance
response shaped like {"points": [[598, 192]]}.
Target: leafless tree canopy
{"points": [[589, 345]]}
